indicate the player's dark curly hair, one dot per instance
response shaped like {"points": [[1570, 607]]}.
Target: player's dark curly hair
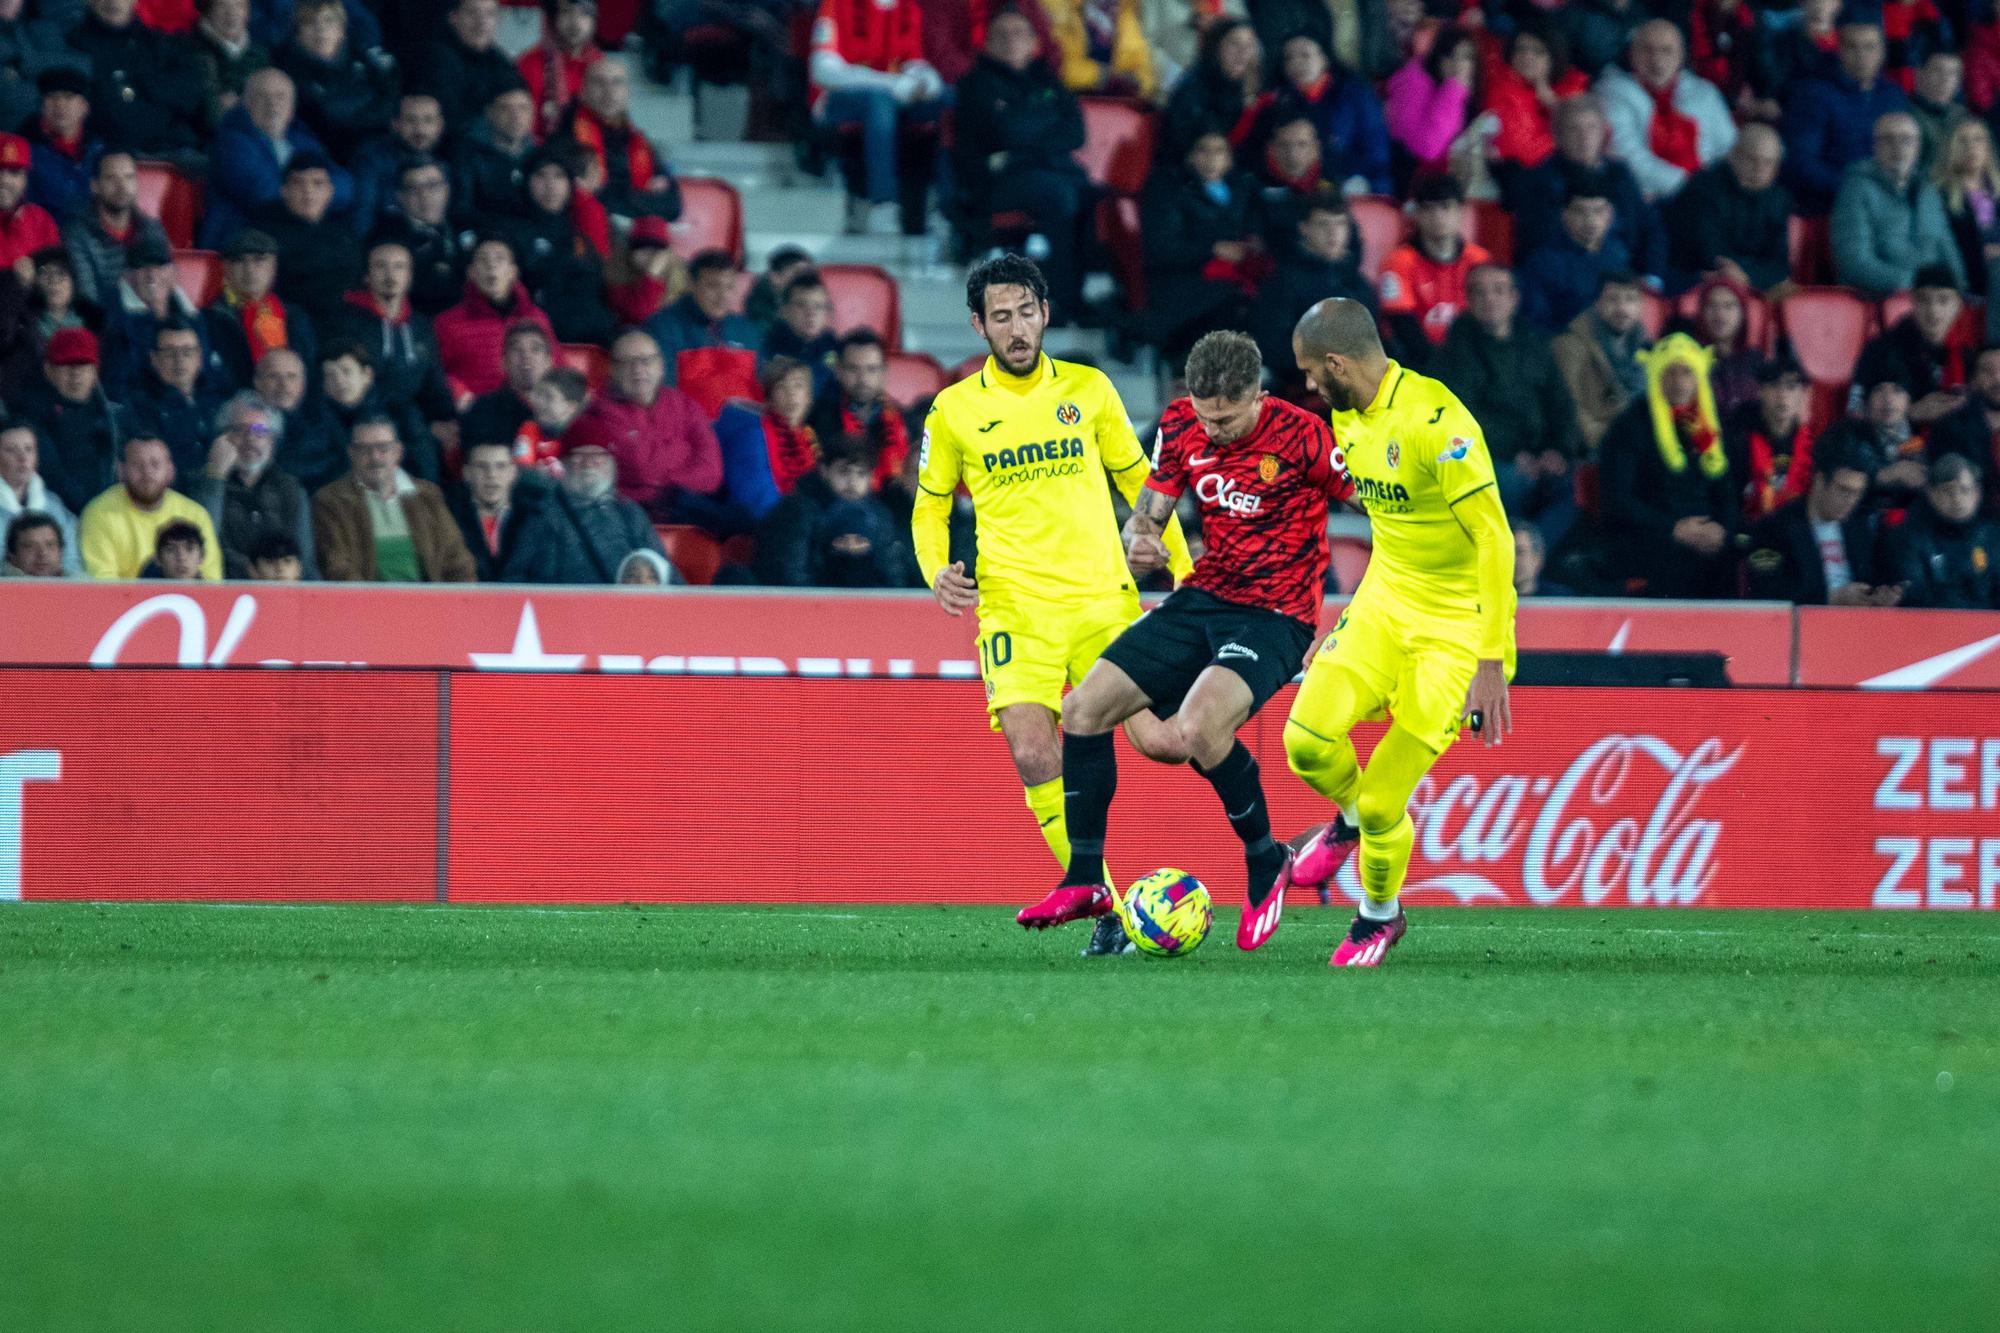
{"points": [[1224, 365], [1003, 271]]}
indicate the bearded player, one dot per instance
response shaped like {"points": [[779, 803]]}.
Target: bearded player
{"points": [[1429, 636], [1229, 637], [1032, 438]]}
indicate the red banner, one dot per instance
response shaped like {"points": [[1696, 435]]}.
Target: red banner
{"points": [[1899, 649], [602, 788], [700, 631]]}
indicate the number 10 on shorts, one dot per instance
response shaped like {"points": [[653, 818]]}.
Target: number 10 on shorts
{"points": [[995, 650]]}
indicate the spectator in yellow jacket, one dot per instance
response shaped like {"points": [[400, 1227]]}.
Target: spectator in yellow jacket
{"points": [[1102, 47], [120, 527]]}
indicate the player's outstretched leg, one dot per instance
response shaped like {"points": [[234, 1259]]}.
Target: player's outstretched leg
{"points": [[1090, 779], [1219, 702], [1336, 695], [1387, 838]]}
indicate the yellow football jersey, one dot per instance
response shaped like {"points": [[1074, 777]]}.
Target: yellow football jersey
{"points": [[1033, 453], [1414, 453]]}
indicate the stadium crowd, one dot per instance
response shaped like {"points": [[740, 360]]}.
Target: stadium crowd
{"points": [[1713, 276]]}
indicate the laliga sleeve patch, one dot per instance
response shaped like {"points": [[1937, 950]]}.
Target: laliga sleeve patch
{"points": [[924, 451], [1460, 447]]}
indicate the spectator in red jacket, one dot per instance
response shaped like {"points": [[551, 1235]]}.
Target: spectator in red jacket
{"points": [[629, 176], [668, 458], [554, 70], [1522, 95], [855, 403], [24, 227], [472, 334]]}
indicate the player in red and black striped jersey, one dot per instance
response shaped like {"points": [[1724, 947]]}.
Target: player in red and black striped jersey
{"points": [[1234, 632]]}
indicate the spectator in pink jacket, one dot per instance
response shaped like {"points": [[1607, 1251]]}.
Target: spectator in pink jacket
{"points": [[1428, 98], [668, 457], [472, 334]]}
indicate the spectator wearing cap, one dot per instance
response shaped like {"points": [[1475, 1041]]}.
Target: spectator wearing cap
{"points": [[832, 531], [493, 153], [705, 319], [226, 53], [494, 505], [62, 147], [146, 94], [97, 236], [656, 277], [562, 237], [119, 527], [1536, 195], [318, 257], [586, 526], [1732, 218], [1561, 278], [36, 548], [1323, 259], [1423, 280], [248, 318], [254, 149], [525, 357], [380, 316], [630, 175], [173, 398], [30, 48], [1598, 356], [804, 329], [1947, 555], [1507, 377], [1973, 431], [346, 93], [23, 491], [1667, 122], [1823, 548], [1770, 449], [760, 307], [553, 70], [1928, 351], [179, 548], [148, 297], [857, 402], [245, 493], [378, 524], [669, 462], [472, 334], [24, 227], [463, 65], [81, 428], [1831, 123], [767, 447], [417, 131], [420, 218], [1889, 221]]}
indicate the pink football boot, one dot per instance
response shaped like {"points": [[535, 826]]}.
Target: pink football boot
{"points": [[1323, 853], [1368, 942], [1260, 923], [1069, 902]]}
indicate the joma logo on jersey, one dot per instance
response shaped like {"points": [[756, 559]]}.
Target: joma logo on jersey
{"points": [[1367, 488], [1028, 455], [1216, 489]]}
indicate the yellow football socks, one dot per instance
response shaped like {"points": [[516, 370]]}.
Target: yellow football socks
{"points": [[1046, 800]]}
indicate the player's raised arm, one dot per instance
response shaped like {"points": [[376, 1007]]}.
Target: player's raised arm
{"points": [[1125, 460], [938, 465], [1464, 470]]}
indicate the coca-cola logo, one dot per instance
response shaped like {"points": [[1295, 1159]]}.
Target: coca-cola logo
{"points": [[1621, 820]]}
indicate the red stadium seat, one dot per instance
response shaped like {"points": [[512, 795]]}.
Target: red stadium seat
{"points": [[1757, 316], [592, 361], [199, 274], [1118, 229], [865, 297], [172, 198], [694, 553], [969, 367], [1827, 326], [1378, 226], [1492, 226], [711, 218], [1809, 243], [1654, 312], [1117, 150], [1350, 561], [913, 376], [1894, 306]]}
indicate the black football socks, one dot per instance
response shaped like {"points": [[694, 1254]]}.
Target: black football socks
{"points": [[1090, 780], [1237, 782]]}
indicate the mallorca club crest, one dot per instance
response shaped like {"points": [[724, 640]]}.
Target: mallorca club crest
{"points": [[1267, 468], [1069, 414], [1395, 455]]}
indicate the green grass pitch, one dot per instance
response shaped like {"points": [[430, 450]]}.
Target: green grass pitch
{"points": [[921, 1118]]}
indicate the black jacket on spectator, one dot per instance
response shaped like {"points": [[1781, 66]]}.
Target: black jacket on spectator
{"points": [[621, 194], [572, 541], [439, 257], [1966, 431], [317, 261], [222, 329], [29, 48], [99, 257], [462, 79], [1941, 564], [185, 423], [532, 494], [1899, 353], [564, 275], [343, 100], [491, 181], [146, 91], [1181, 225], [795, 542], [222, 72], [494, 416], [1200, 103], [1640, 501], [314, 448], [79, 443], [1025, 119], [1537, 196], [330, 426], [1278, 21], [1714, 216], [1300, 281], [1514, 388], [407, 367], [1784, 563], [276, 502]]}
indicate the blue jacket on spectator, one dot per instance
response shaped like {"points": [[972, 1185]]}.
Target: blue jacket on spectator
{"points": [[1536, 197], [1828, 126], [683, 327], [245, 175], [1353, 136], [58, 182], [747, 484], [1560, 280]]}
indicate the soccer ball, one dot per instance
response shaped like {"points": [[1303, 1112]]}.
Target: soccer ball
{"points": [[1167, 913]]}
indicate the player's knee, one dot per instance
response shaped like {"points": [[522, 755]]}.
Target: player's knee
{"points": [[1037, 759], [1085, 715], [1161, 744], [1305, 752], [1378, 811]]}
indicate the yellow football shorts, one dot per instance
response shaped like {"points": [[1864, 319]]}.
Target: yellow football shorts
{"points": [[1029, 651], [1397, 662]]}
